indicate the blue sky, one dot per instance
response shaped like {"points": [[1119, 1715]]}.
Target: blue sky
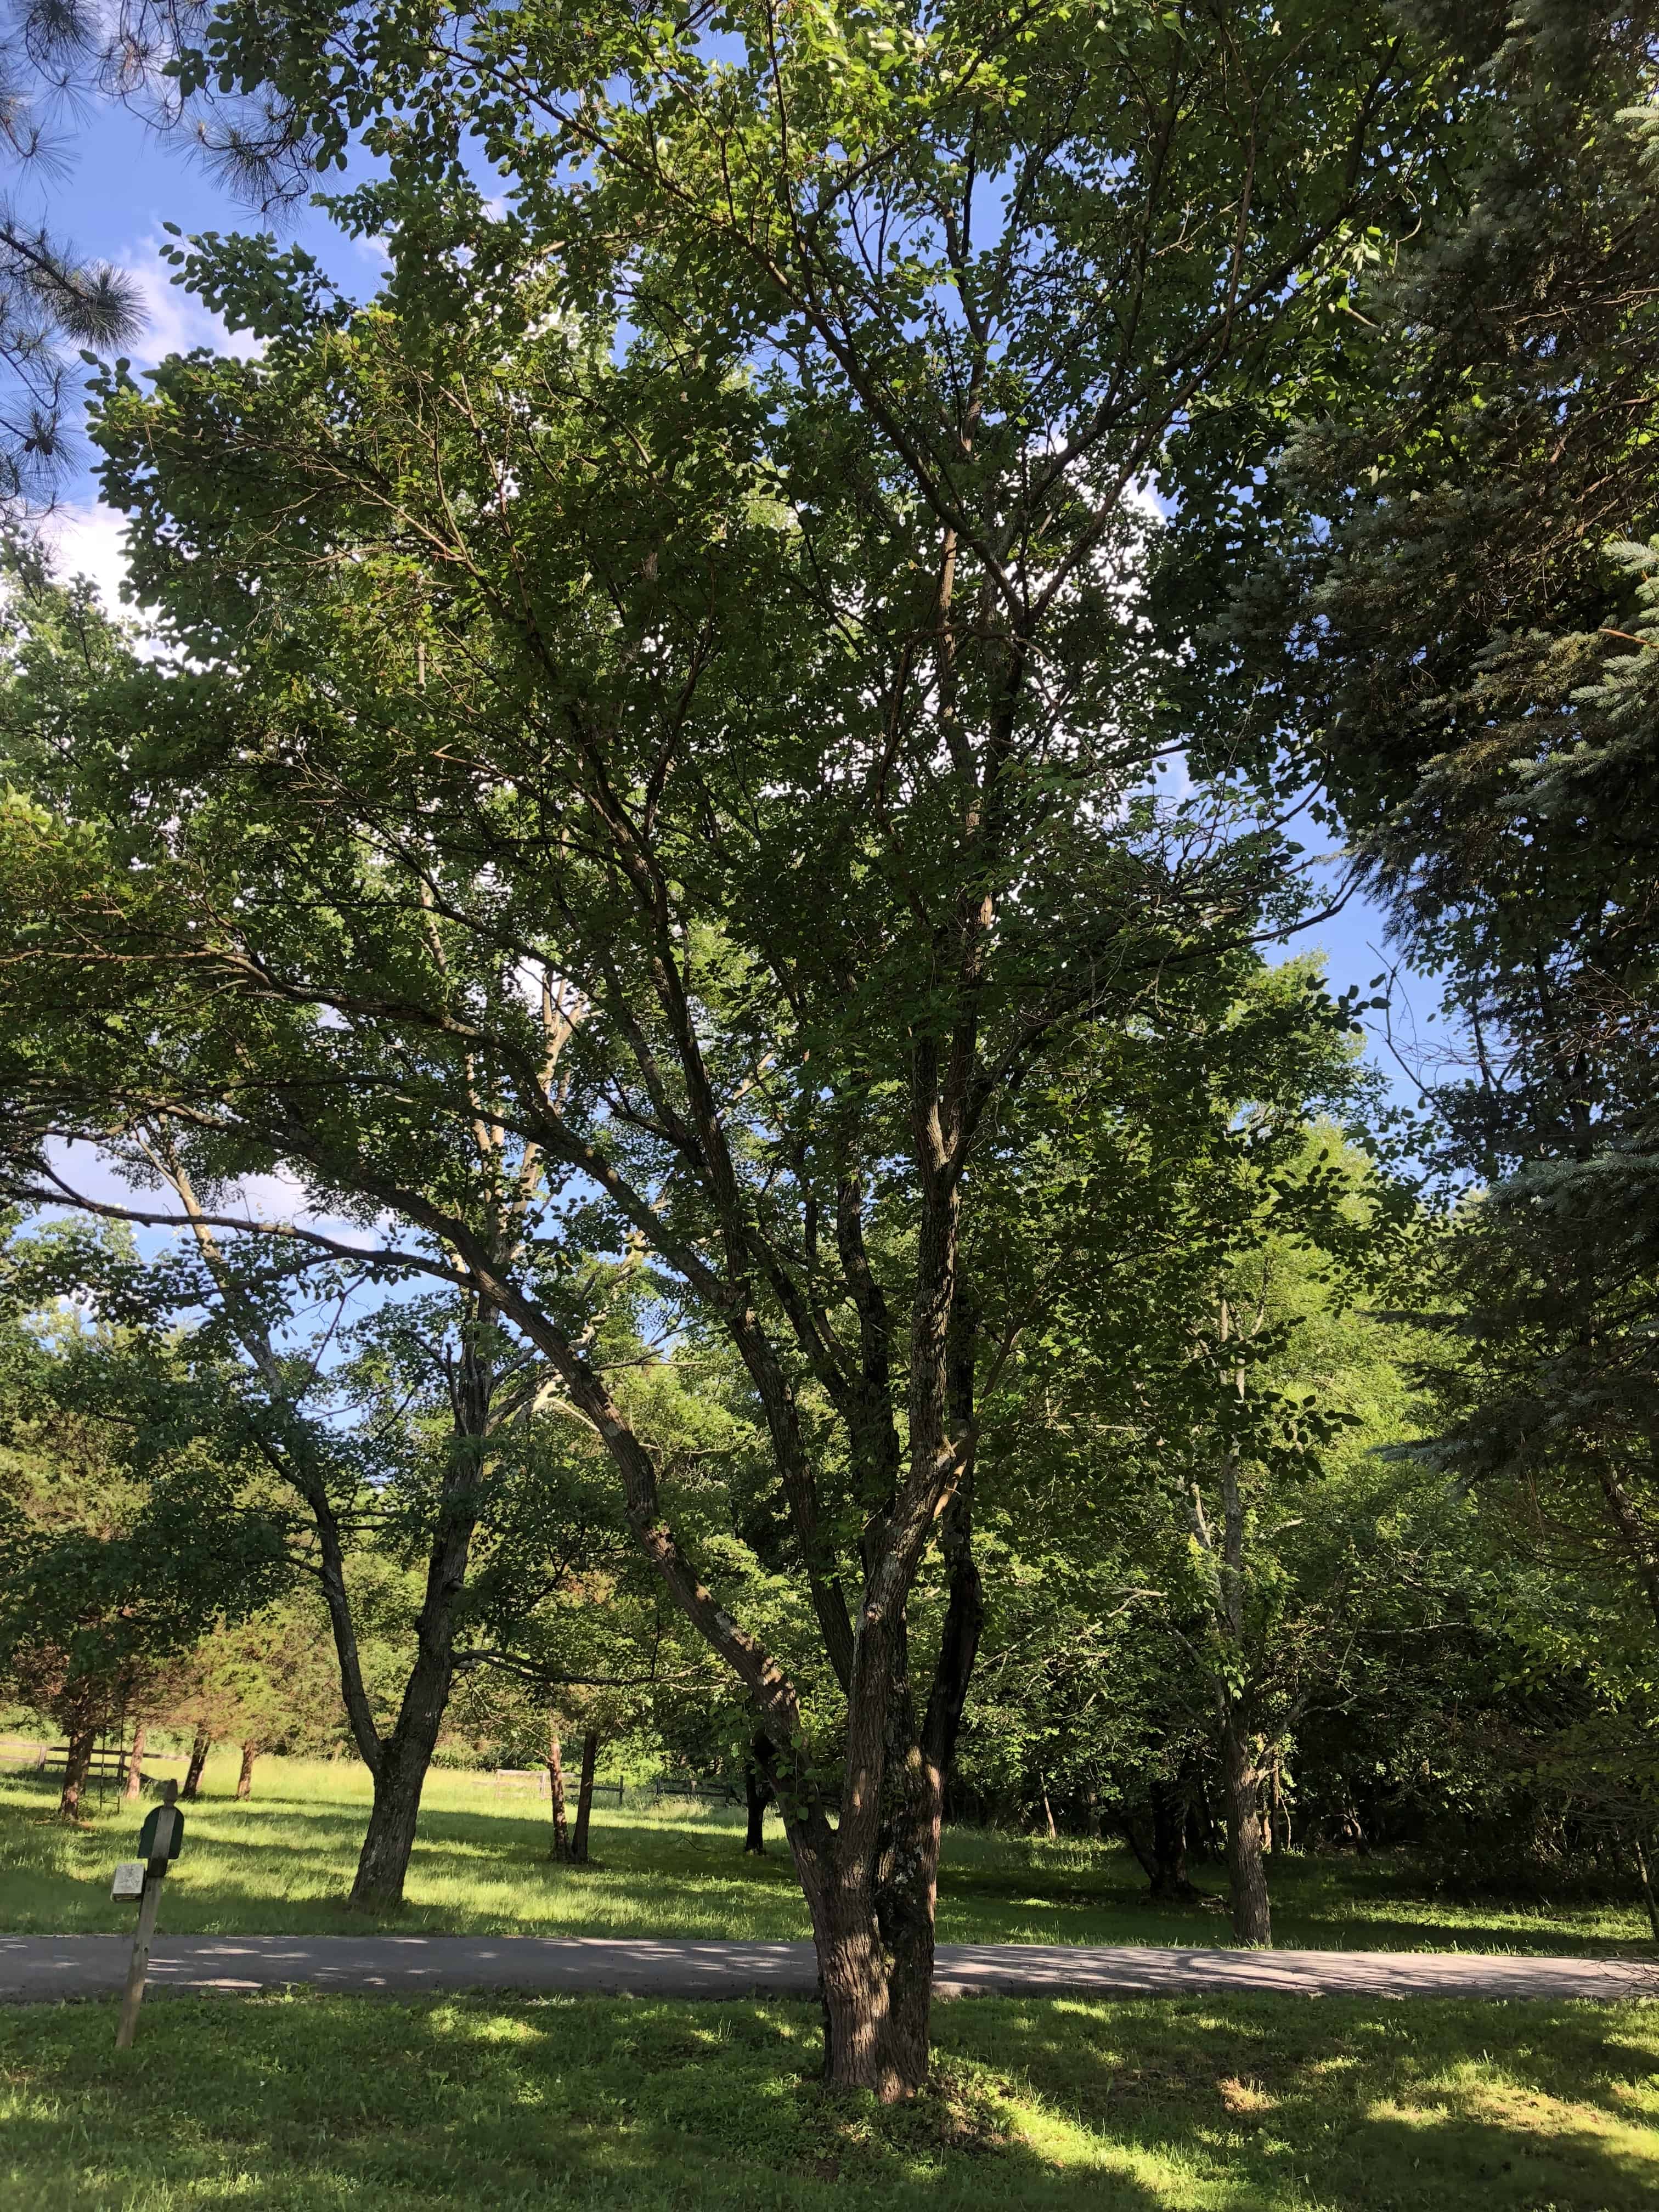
{"points": [[124, 184]]}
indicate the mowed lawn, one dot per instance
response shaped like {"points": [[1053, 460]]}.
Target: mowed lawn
{"points": [[282, 1864], [325, 2104]]}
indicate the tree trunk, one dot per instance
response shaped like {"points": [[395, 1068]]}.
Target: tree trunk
{"points": [[135, 1782], [245, 1779], [561, 1850], [876, 1999], [1648, 1897], [383, 1863], [1247, 1873], [756, 1792], [1170, 1841], [77, 1762], [399, 1762], [872, 1917], [199, 1753], [1160, 1842], [585, 1796]]}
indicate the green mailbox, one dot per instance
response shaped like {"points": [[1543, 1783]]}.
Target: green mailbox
{"points": [[147, 1834]]}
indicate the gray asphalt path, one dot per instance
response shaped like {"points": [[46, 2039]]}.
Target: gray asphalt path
{"points": [[37, 1967]]}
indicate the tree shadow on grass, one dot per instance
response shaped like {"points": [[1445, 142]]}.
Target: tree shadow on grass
{"points": [[1184, 2106]]}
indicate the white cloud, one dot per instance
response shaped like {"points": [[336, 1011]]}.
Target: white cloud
{"points": [[277, 1200], [83, 537], [84, 540], [175, 321]]}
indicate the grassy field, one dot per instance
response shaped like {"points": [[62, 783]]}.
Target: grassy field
{"points": [[282, 1864], [313, 2104]]}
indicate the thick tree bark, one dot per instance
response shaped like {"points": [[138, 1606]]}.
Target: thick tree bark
{"points": [[383, 1863], [77, 1762], [584, 1797], [1247, 1872], [245, 1779], [561, 1849], [872, 1885], [135, 1766], [199, 1757]]}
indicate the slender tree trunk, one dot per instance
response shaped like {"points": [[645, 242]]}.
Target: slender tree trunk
{"points": [[198, 1755], [404, 1756], [245, 1779], [1648, 1897], [135, 1766], [77, 1763], [1247, 1873], [399, 1762], [755, 1793], [1170, 1810], [1048, 1815], [585, 1796], [561, 1850], [1241, 1774]]}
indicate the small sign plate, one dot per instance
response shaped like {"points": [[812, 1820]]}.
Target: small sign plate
{"points": [[129, 1879]]}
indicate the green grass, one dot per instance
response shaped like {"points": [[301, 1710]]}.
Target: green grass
{"points": [[324, 2104], [282, 1864]]}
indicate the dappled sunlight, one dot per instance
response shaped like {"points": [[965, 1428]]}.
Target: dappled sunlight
{"points": [[282, 1863], [653, 2105]]}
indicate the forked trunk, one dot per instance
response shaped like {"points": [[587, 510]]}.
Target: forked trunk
{"points": [[872, 1922], [1247, 1871], [561, 1850], [198, 1755], [245, 1779], [383, 1863], [585, 1796], [77, 1764], [399, 1762], [1157, 1837], [135, 1781]]}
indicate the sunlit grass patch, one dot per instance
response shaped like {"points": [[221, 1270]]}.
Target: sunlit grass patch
{"points": [[282, 1864], [1128, 2105]]}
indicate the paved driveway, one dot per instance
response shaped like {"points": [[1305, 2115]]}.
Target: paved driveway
{"points": [[35, 1967]]}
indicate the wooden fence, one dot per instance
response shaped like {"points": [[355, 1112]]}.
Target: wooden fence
{"points": [[509, 1778]]}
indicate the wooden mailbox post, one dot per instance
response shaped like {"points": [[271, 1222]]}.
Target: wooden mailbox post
{"points": [[160, 1839]]}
